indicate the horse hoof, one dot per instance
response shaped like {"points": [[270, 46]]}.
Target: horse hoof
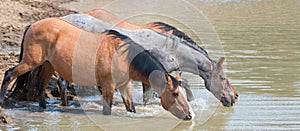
{"points": [[42, 105], [133, 109], [8, 103], [106, 111]]}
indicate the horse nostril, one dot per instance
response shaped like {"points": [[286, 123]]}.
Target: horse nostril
{"points": [[188, 117], [227, 102], [236, 95]]}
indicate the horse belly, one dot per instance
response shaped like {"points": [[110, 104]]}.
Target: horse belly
{"points": [[84, 58]]}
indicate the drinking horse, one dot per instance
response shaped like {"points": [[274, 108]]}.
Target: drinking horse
{"points": [[175, 47], [107, 59], [161, 27]]}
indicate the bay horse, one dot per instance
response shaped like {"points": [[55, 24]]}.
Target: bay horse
{"points": [[196, 61], [108, 59], [161, 27]]}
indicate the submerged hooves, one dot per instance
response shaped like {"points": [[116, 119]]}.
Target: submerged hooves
{"points": [[42, 106], [132, 109], [106, 110], [8, 103]]}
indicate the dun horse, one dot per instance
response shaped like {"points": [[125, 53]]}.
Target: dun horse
{"points": [[196, 61], [103, 59]]}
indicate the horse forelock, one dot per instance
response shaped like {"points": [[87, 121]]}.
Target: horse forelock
{"points": [[174, 81]]}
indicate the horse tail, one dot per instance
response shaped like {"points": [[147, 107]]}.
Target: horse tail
{"points": [[23, 80], [22, 43]]}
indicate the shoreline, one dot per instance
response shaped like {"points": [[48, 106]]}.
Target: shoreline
{"points": [[16, 15]]}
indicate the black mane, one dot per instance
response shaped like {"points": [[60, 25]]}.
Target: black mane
{"points": [[116, 34], [182, 35], [141, 59], [144, 61]]}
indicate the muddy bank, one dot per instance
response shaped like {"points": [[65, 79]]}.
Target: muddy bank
{"points": [[15, 16]]}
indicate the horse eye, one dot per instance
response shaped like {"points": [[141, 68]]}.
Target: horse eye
{"points": [[175, 94], [222, 78]]}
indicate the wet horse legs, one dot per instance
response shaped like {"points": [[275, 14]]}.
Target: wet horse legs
{"points": [[107, 88], [45, 75], [126, 93], [12, 74]]}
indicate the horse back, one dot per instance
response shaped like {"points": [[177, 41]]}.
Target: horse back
{"points": [[64, 45], [112, 19]]}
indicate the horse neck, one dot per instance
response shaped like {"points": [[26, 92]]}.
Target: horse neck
{"points": [[185, 58], [146, 68], [194, 61]]}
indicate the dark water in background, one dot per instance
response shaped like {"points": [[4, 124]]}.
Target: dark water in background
{"points": [[261, 43]]}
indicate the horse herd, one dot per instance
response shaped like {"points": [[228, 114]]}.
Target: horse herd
{"points": [[99, 49]]}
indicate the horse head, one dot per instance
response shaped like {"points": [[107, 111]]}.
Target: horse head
{"points": [[217, 83], [173, 100]]}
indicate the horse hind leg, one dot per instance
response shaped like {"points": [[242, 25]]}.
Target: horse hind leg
{"points": [[12, 74], [44, 77], [62, 84]]}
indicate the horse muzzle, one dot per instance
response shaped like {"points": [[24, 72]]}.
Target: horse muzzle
{"points": [[227, 102]]}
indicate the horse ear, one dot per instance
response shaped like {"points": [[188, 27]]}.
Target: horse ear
{"points": [[178, 77], [168, 77], [169, 80], [221, 61]]}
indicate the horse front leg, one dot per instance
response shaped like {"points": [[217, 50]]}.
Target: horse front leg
{"points": [[148, 94], [126, 93], [107, 89], [185, 84]]}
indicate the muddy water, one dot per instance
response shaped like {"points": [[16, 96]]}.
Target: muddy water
{"points": [[261, 43]]}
